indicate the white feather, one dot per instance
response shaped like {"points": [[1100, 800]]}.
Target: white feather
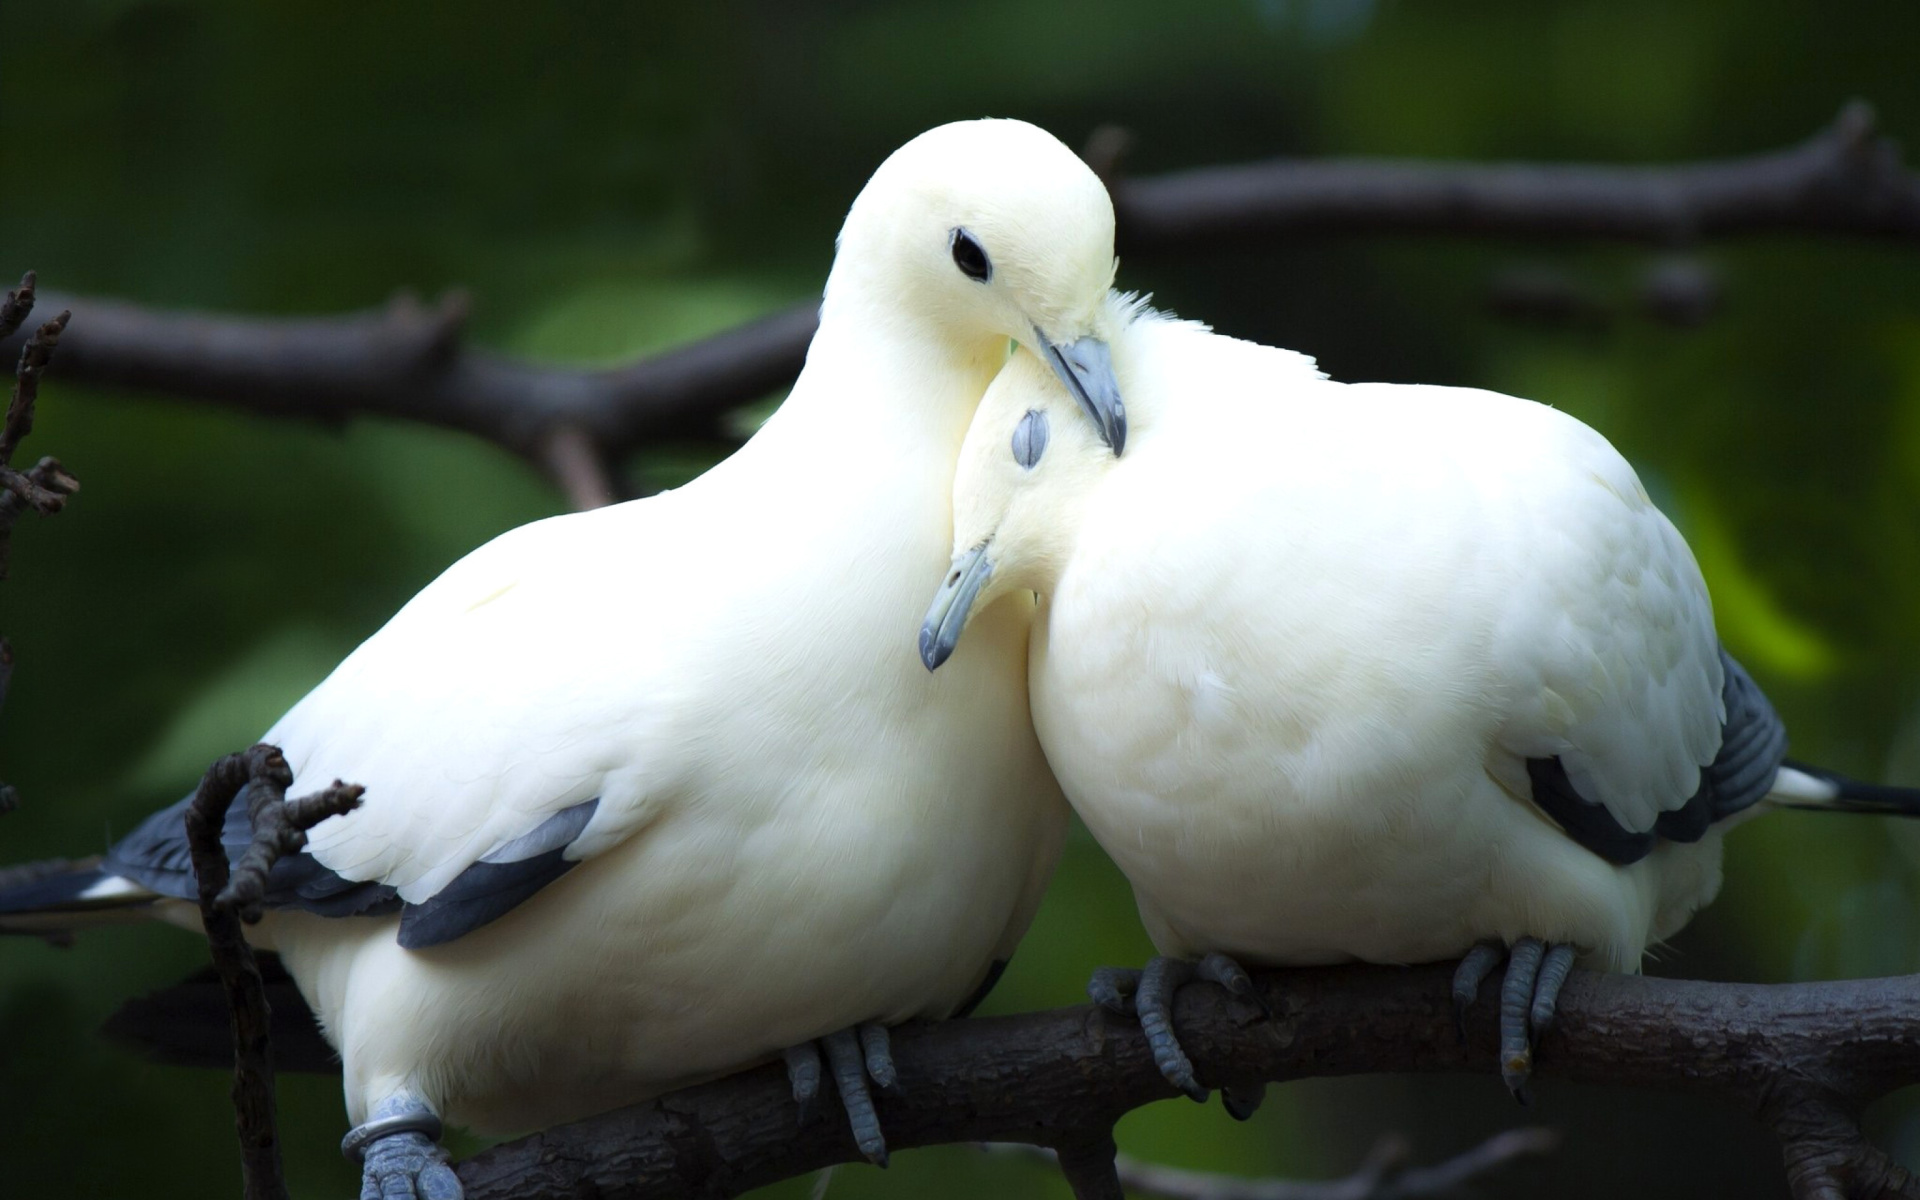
{"points": [[1300, 640], [798, 829]]}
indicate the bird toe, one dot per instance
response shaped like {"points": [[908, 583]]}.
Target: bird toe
{"points": [[849, 1053], [1113, 988], [803, 1076], [1153, 1002]]}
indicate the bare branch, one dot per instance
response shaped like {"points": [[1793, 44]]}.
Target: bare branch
{"points": [[17, 306], [1387, 1173], [279, 828], [26, 386], [1844, 180], [576, 464], [1801, 1057], [46, 486], [412, 362], [21, 874]]}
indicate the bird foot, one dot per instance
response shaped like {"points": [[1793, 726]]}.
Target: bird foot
{"points": [[1148, 996], [1535, 973], [399, 1153], [857, 1057]]}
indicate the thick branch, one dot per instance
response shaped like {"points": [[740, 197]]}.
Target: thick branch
{"points": [[412, 362], [408, 361], [1804, 1058], [280, 828]]}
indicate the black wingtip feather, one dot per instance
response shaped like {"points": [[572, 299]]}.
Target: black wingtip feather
{"points": [[53, 887]]}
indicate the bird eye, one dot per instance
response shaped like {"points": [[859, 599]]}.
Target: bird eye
{"points": [[1030, 438], [970, 256]]}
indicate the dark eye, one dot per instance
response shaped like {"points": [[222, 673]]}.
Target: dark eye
{"points": [[1030, 438], [970, 257]]}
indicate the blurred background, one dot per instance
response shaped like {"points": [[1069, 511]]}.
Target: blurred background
{"points": [[608, 179]]}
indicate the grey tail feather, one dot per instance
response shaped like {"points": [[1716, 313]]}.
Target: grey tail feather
{"points": [[49, 898], [1853, 796]]}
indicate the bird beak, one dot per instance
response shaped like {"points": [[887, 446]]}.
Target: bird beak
{"points": [[1086, 367], [947, 615]]}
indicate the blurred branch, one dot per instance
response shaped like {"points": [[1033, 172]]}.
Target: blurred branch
{"points": [[45, 486], [1845, 179], [1387, 1173], [413, 362], [226, 900], [1803, 1058]]}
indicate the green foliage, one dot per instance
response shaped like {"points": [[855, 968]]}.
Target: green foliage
{"points": [[610, 178]]}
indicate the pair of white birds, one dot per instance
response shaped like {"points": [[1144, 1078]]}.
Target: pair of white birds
{"points": [[658, 791]]}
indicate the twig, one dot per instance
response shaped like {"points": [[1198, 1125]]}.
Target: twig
{"points": [[227, 899], [1386, 1174], [15, 309], [575, 463], [1089, 1161], [412, 362], [1804, 1058], [9, 797], [46, 485]]}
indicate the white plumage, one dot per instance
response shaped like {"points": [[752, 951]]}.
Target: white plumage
{"points": [[1298, 646], [796, 829]]}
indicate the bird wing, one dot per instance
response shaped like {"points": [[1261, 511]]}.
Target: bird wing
{"points": [[508, 723], [1606, 636]]}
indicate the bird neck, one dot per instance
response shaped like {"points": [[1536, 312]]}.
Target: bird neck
{"points": [[881, 375]]}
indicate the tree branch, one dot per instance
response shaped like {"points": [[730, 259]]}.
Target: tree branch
{"points": [[225, 902], [46, 485], [1846, 179], [412, 362], [1803, 1058], [1387, 1174]]}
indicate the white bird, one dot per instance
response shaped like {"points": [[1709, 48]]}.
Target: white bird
{"points": [[659, 791], [1362, 672]]}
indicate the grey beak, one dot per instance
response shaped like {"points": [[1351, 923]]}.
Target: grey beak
{"points": [[947, 615], [1086, 367]]}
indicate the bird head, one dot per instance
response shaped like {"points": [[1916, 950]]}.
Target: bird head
{"points": [[988, 232], [1027, 469]]}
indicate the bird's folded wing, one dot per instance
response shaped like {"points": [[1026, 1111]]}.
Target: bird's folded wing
{"points": [[509, 722], [515, 709], [1607, 637]]}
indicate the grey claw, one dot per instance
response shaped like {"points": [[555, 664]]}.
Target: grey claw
{"points": [[407, 1166], [1154, 1003], [877, 1047], [1242, 1102], [803, 1075], [399, 1152], [1467, 978], [849, 1066], [1113, 989], [1546, 993], [438, 1182], [1232, 976], [1516, 1002]]}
